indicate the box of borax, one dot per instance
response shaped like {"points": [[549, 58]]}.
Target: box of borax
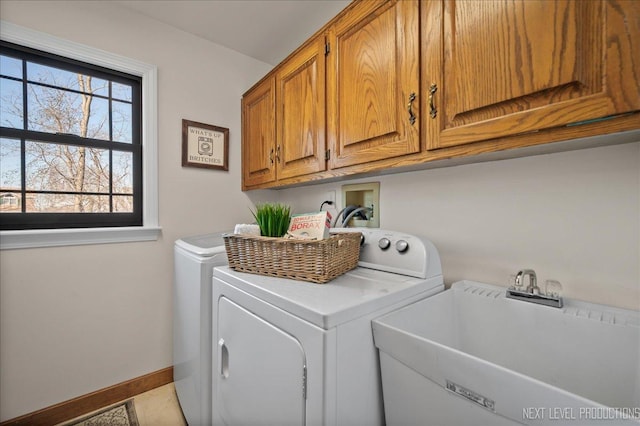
{"points": [[310, 226]]}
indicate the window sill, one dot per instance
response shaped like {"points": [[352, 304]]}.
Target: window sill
{"points": [[73, 237]]}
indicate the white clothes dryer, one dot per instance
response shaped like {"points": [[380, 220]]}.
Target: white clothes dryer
{"points": [[194, 260], [290, 352]]}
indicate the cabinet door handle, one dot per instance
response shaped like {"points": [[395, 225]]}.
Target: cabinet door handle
{"points": [[278, 154], [412, 116], [433, 111], [223, 359], [271, 156]]}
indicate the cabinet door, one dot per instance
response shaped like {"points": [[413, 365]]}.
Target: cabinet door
{"points": [[372, 75], [300, 113], [260, 373], [505, 67], [258, 134]]}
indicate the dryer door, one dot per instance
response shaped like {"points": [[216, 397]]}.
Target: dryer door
{"points": [[261, 370]]}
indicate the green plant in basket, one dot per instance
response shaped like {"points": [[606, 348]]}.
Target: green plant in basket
{"points": [[272, 218]]}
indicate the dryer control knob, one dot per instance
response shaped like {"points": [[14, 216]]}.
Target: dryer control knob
{"points": [[384, 243], [402, 246]]}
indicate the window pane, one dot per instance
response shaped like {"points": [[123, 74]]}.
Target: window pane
{"points": [[68, 203], [67, 79], [10, 202], [11, 104], [53, 167], [61, 111], [120, 91], [123, 204], [11, 67], [10, 176], [97, 175], [121, 122], [95, 203], [122, 172]]}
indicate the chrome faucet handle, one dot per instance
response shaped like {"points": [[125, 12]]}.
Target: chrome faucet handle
{"points": [[533, 281], [553, 288]]}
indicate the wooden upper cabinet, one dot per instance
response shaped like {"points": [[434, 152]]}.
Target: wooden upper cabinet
{"points": [[259, 134], [504, 67], [373, 83], [283, 120], [300, 112], [441, 79]]}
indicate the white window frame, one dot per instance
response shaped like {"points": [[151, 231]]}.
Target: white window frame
{"points": [[150, 229]]}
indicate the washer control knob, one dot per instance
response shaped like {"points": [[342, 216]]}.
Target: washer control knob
{"points": [[402, 246], [384, 243], [362, 240]]}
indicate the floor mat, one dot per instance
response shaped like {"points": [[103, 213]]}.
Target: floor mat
{"points": [[122, 414]]}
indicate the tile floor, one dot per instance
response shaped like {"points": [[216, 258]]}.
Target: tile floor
{"points": [[157, 407]]}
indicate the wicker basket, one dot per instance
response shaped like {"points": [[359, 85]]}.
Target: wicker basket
{"points": [[315, 261]]}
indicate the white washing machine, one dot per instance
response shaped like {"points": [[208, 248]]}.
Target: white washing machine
{"points": [[194, 260], [297, 353]]}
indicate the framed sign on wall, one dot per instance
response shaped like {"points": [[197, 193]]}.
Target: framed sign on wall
{"points": [[204, 145]]}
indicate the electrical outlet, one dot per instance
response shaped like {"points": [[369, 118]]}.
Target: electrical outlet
{"points": [[330, 196]]}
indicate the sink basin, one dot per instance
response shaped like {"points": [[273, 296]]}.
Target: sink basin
{"points": [[471, 356]]}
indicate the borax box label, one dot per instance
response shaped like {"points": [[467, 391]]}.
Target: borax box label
{"points": [[310, 226]]}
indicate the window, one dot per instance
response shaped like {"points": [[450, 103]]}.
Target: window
{"points": [[148, 147], [70, 142]]}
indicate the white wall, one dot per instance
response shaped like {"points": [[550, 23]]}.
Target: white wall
{"points": [[77, 319], [572, 216]]}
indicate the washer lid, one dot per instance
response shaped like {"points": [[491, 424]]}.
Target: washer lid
{"points": [[203, 245], [356, 293]]}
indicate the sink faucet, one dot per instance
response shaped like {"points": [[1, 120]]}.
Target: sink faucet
{"points": [[532, 292], [533, 281]]}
